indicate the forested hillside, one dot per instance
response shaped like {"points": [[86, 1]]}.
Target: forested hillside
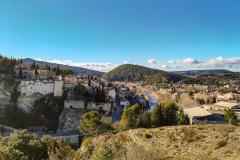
{"points": [[130, 72]]}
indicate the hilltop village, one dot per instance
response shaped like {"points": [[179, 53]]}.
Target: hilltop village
{"points": [[39, 90], [47, 100]]}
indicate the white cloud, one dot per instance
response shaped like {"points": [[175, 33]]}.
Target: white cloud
{"points": [[184, 62], [190, 61], [218, 62], [153, 61], [125, 62], [162, 67], [223, 62]]}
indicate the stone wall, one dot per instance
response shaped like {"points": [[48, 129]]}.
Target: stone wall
{"points": [[74, 104], [95, 106], [70, 104]]}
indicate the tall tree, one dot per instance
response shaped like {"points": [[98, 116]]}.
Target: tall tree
{"points": [[58, 70], [182, 119], [134, 117], [33, 66], [157, 117], [20, 72], [170, 113]]}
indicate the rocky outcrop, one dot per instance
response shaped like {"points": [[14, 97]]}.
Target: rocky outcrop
{"points": [[5, 95], [26, 103], [69, 120]]}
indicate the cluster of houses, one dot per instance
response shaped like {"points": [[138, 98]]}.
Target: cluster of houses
{"points": [[208, 104], [38, 80]]}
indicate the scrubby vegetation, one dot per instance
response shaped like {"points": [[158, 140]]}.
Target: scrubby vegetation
{"points": [[178, 142], [231, 117], [22, 145], [146, 135], [91, 124], [182, 119]]}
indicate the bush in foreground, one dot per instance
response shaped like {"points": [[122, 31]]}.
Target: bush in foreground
{"points": [[23, 145], [91, 124]]}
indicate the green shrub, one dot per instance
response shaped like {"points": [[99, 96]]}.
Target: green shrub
{"points": [[91, 124], [182, 119], [102, 153], [146, 135], [221, 143], [231, 117], [11, 153]]}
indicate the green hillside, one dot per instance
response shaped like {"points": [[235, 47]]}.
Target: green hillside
{"points": [[130, 72]]}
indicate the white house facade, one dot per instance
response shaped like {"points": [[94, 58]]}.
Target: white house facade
{"points": [[30, 87]]}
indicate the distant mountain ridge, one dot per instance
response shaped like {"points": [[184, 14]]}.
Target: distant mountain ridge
{"points": [[203, 72], [130, 72], [77, 70]]}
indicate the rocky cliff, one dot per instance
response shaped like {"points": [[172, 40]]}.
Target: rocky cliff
{"points": [[5, 95]]}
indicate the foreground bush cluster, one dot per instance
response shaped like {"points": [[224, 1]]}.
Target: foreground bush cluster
{"points": [[164, 114], [23, 145]]}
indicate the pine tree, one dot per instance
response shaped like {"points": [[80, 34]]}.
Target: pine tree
{"points": [[58, 70], [20, 72], [157, 116], [33, 66], [89, 81]]}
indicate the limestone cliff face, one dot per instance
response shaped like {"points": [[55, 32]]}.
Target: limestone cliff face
{"points": [[26, 103], [5, 95]]}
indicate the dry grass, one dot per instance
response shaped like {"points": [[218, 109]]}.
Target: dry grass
{"points": [[198, 142]]}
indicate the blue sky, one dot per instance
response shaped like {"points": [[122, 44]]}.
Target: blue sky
{"points": [[101, 34]]}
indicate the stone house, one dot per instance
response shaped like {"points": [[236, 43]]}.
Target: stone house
{"points": [[198, 115], [223, 106], [30, 87]]}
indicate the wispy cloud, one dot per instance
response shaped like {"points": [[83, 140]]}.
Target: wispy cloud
{"points": [[156, 64], [153, 61]]}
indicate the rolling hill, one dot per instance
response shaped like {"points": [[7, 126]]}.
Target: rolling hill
{"points": [[77, 70], [136, 73]]}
